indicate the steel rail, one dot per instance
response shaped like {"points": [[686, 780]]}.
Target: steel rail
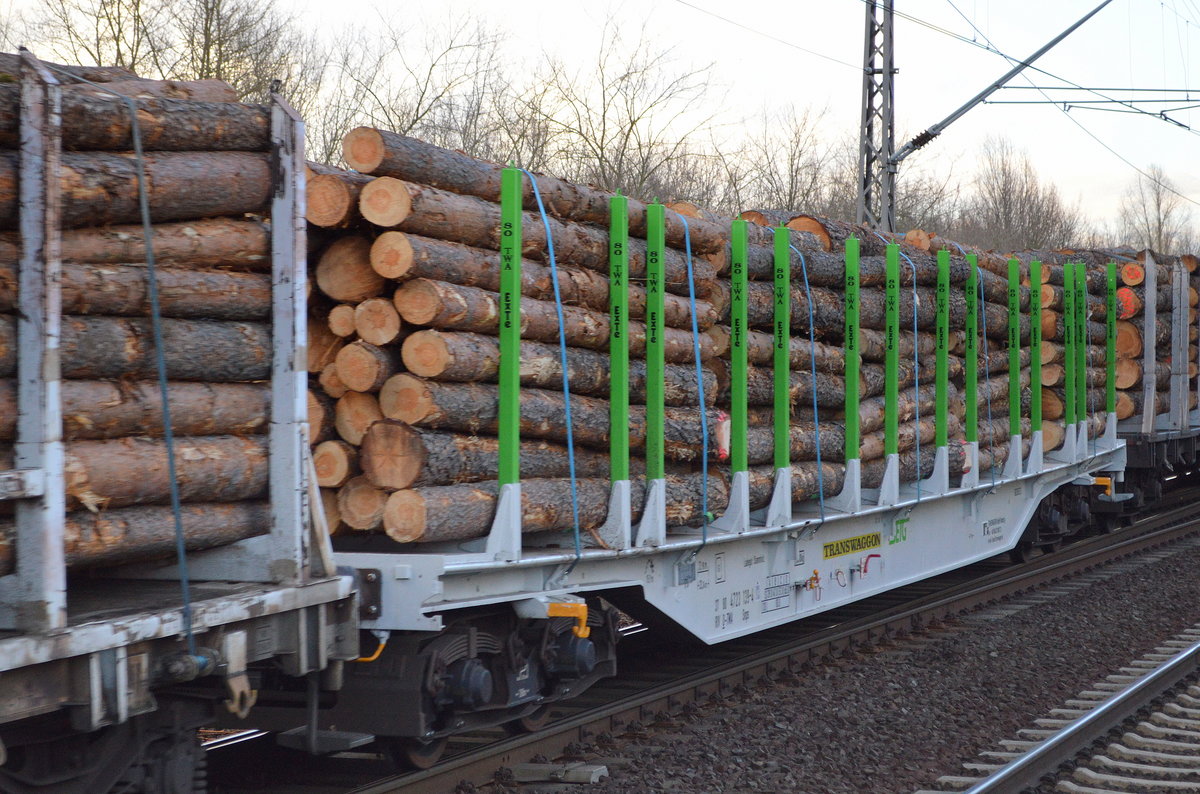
{"points": [[1062, 747], [1173, 523]]}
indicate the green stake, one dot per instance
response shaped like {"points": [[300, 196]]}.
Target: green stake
{"points": [[655, 350], [1014, 348], [941, 369], [1068, 313], [1081, 342], [851, 340], [783, 333], [508, 469], [1035, 345], [738, 399], [971, 371], [1110, 341], [891, 391], [618, 339]]}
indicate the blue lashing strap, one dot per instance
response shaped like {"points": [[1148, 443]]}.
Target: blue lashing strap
{"points": [[160, 362], [812, 358], [566, 380], [687, 245]]}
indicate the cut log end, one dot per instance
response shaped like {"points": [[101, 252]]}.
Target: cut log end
{"points": [[385, 202], [392, 255], [1132, 274], [330, 201], [341, 320], [392, 455], [361, 504], [426, 354], [344, 271], [376, 321], [335, 462], [354, 413], [807, 223], [363, 149], [364, 367], [1129, 340], [407, 399], [404, 516]]}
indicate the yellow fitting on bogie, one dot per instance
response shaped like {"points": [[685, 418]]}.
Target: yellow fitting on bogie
{"points": [[577, 611]]}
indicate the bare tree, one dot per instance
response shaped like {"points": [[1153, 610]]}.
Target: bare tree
{"points": [[129, 33], [1011, 207], [631, 115], [1153, 214], [788, 161]]}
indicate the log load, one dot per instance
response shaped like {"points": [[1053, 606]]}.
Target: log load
{"points": [[376, 322], [1052, 298], [384, 153], [321, 414], [461, 356], [1130, 339], [392, 204], [396, 456], [92, 121], [101, 188], [1131, 301], [135, 534], [123, 290], [400, 256], [364, 367], [463, 512], [341, 320], [111, 409], [127, 471], [10, 70], [212, 242], [440, 304], [832, 234], [118, 347]]}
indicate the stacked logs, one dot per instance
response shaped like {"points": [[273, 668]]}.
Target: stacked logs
{"points": [[404, 351], [208, 174]]}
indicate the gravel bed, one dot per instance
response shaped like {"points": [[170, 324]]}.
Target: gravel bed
{"points": [[896, 719]]}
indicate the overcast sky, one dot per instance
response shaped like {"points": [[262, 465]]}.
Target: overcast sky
{"points": [[1131, 43]]}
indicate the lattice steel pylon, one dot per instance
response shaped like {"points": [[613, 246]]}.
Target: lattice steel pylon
{"points": [[877, 143]]}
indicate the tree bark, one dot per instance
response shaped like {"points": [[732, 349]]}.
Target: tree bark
{"points": [[808, 482], [1052, 298], [117, 347], [1132, 300], [462, 356], [833, 234], [391, 203], [395, 456], [104, 409], [134, 534], [390, 154], [1054, 353], [1052, 327], [331, 199], [122, 290], [127, 471], [215, 242], [100, 188], [802, 354], [442, 305], [463, 512], [401, 256], [320, 417], [92, 121]]}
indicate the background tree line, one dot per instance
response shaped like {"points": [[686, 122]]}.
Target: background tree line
{"points": [[636, 118]]}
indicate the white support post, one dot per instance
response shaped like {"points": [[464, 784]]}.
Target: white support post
{"points": [[1149, 354], [1036, 463], [850, 499], [1012, 467], [779, 509], [652, 530], [970, 478], [617, 531], [889, 488], [504, 539], [35, 598], [736, 517]]}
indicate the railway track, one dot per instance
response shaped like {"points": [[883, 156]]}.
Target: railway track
{"points": [[656, 681], [1150, 710]]}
